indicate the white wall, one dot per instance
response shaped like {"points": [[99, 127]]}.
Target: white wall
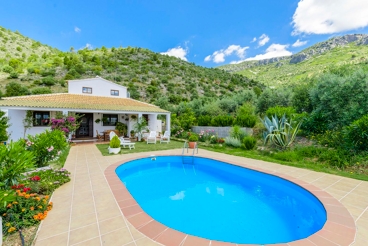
{"points": [[100, 87], [16, 129]]}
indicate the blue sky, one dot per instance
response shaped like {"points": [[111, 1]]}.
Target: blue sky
{"points": [[208, 33]]}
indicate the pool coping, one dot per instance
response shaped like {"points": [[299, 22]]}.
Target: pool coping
{"points": [[339, 229]]}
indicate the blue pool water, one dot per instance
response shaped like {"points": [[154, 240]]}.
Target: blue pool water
{"points": [[218, 201]]}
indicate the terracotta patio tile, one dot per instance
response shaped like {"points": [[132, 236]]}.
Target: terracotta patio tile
{"points": [[340, 239], [58, 240], [192, 240], [132, 210], [145, 241], [218, 243], [170, 237], [140, 219], [318, 240], [342, 220], [152, 229], [303, 242], [127, 203]]}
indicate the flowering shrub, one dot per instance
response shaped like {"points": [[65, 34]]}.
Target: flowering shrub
{"points": [[46, 181], [180, 133], [66, 124], [25, 210], [46, 146], [208, 136]]}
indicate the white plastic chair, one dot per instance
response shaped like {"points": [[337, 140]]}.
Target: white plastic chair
{"points": [[152, 137], [165, 138]]}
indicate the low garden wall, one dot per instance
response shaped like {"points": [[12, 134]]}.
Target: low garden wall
{"points": [[221, 132]]}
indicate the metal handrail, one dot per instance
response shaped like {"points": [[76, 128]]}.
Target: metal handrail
{"points": [[186, 145]]}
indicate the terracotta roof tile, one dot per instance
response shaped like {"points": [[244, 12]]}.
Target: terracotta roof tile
{"points": [[79, 101]]}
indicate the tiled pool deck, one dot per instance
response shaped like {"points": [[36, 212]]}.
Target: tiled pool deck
{"points": [[86, 212]]}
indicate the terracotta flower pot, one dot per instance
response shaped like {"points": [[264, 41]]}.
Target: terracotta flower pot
{"points": [[192, 145]]}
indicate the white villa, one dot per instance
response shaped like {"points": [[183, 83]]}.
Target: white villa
{"points": [[95, 98]]}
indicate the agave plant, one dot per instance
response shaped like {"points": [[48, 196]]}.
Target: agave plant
{"points": [[279, 131]]}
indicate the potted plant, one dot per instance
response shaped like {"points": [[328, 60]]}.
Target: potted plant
{"points": [[98, 120], [121, 127], [132, 133], [140, 126], [193, 138], [104, 119], [114, 145]]}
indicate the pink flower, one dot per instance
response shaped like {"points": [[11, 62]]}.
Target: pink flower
{"points": [[50, 149]]}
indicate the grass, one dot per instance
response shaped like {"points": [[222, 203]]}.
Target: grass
{"points": [[291, 161], [142, 147]]}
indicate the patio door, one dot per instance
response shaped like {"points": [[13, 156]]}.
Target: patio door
{"points": [[85, 129]]}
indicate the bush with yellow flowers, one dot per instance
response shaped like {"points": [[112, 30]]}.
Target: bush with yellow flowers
{"points": [[25, 210]]}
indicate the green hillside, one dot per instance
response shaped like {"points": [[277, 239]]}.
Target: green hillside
{"points": [[305, 64], [148, 75]]}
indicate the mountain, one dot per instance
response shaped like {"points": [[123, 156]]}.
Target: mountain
{"points": [[348, 49], [148, 75]]}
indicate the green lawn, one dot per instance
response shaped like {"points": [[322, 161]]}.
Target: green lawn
{"points": [[143, 147], [304, 163]]}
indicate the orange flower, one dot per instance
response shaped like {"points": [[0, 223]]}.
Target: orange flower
{"points": [[9, 205], [40, 207], [50, 203], [17, 191], [33, 194], [4, 214], [48, 208], [31, 208], [38, 198], [11, 229], [27, 196], [15, 202], [47, 197]]}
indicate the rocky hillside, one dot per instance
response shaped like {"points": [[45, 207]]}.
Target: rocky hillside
{"points": [[40, 69], [310, 61]]}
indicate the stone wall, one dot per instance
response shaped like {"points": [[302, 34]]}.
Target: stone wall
{"points": [[222, 132]]}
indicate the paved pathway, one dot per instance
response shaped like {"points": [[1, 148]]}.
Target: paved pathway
{"points": [[85, 211]]}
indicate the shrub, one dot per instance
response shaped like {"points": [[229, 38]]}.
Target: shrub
{"points": [[27, 209], [46, 146], [237, 132], [245, 120], [115, 142], [46, 181], [14, 162], [249, 142], [233, 142], [193, 137], [280, 132], [8, 69], [204, 120], [356, 134], [4, 124], [41, 90], [280, 111], [222, 120], [13, 75]]}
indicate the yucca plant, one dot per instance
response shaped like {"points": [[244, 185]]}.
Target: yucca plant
{"points": [[279, 131]]}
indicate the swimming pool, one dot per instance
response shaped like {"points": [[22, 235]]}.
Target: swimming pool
{"points": [[218, 201]]}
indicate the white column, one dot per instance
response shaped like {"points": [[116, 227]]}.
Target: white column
{"points": [[168, 122]]}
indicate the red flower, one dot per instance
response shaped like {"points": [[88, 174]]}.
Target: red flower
{"points": [[16, 187], [26, 189], [35, 178]]}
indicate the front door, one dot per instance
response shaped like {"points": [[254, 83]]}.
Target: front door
{"points": [[86, 126]]}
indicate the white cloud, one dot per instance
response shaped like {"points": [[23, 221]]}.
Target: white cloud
{"points": [[274, 50], [77, 29], [178, 52], [263, 39], [299, 43], [253, 40], [219, 55], [329, 16]]}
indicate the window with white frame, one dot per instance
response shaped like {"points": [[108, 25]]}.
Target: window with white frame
{"points": [[114, 93], [87, 90]]}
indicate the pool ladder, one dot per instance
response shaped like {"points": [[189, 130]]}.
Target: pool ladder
{"points": [[190, 158]]}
